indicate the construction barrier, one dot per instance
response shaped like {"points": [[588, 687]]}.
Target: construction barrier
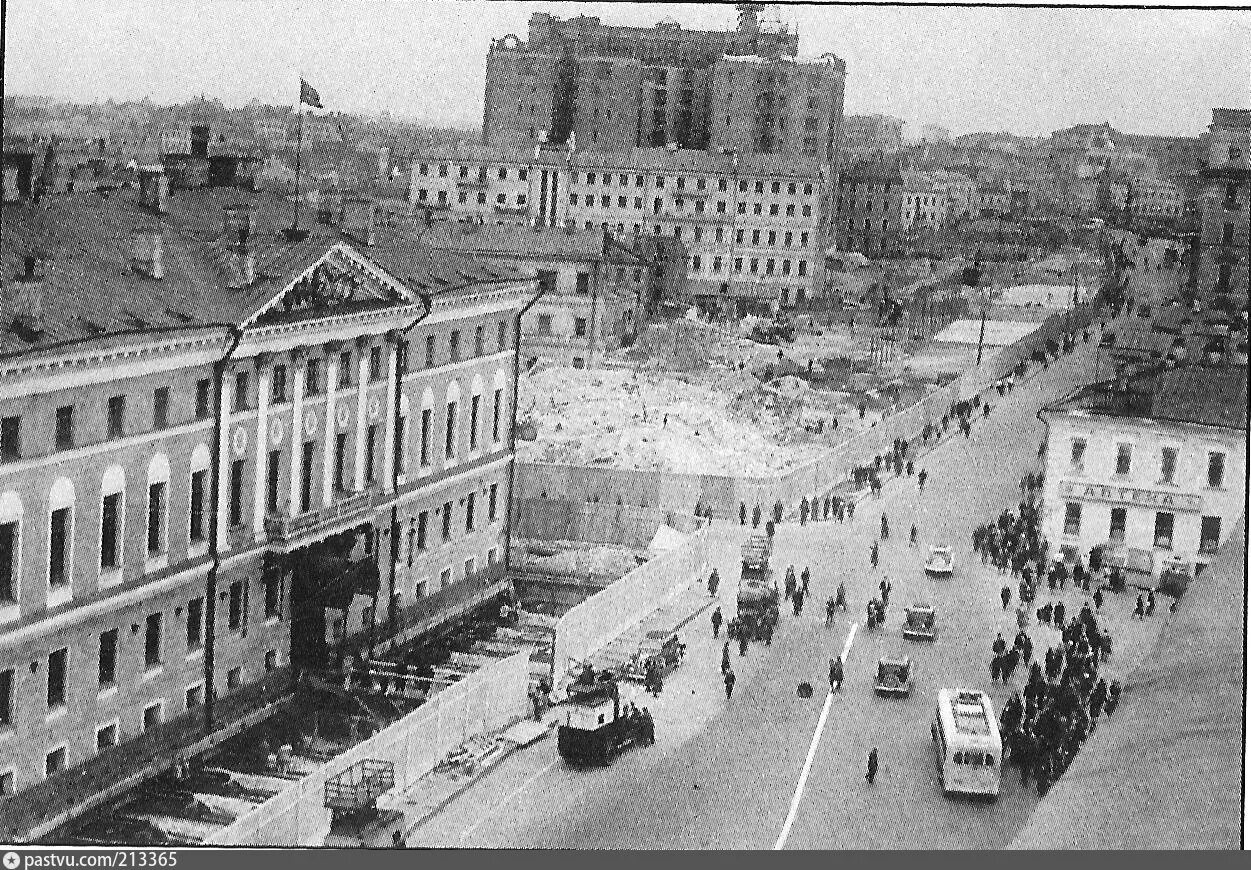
{"points": [[566, 487], [563, 519], [591, 625], [483, 702]]}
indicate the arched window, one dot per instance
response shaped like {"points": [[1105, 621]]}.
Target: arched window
{"points": [[198, 499], [450, 423], [112, 524], [11, 514], [157, 522], [60, 541]]}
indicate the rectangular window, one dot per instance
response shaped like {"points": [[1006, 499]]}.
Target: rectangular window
{"points": [[54, 762], [579, 327], [110, 518], [306, 475], [108, 658], [273, 471], [1077, 453], [203, 407], [278, 385], [235, 614], [160, 408], [1216, 470], [106, 736], [10, 438], [453, 346], [345, 369], [273, 596], [1124, 453], [8, 562], [65, 427], [584, 283], [470, 504], [479, 340], [470, 565], [6, 698], [196, 531], [312, 377], [449, 437], [340, 459], [447, 521], [474, 408], [234, 678], [445, 578], [423, 523], [501, 335], [236, 491], [58, 548], [1072, 518], [1116, 529], [152, 641], [243, 383], [545, 324], [57, 661], [117, 416], [195, 624], [1209, 535], [1168, 464], [156, 518], [371, 449], [193, 697], [271, 660], [426, 414], [547, 280], [492, 495], [152, 715], [375, 364], [1164, 530]]}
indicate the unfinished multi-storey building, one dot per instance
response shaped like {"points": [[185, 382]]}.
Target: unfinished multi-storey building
{"points": [[615, 88]]}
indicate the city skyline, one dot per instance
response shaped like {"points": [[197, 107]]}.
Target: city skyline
{"points": [[1045, 68]]}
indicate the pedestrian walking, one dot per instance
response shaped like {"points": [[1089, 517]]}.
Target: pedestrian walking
{"points": [[871, 773], [885, 528], [725, 657], [1150, 609], [1098, 599], [730, 679], [829, 611], [921, 478], [836, 674], [714, 580], [873, 554], [908, 468], [1005, 595], [912, 536], [716, 622], [804, 577], [742, 514]]}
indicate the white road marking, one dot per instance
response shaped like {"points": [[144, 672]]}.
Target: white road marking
{"points": [[812, 751], [508, 799]]}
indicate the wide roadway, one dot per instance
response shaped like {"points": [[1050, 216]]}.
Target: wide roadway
{"points": [[723, 774]]}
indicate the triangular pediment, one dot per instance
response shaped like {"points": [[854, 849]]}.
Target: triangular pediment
{"points": [[341, 281]]}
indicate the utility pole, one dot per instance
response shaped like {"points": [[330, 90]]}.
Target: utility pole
{"points": [[981, 334]]}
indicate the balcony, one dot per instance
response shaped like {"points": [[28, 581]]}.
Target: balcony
{"points": [[347, 510]]}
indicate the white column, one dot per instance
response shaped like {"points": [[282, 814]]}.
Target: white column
{"points": [[362, 379], [263, 377], [328, 428], [223, 464], [388, 435], [297, 438]]}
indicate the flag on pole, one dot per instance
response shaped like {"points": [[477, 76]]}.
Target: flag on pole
{"points": [[309, 95]]}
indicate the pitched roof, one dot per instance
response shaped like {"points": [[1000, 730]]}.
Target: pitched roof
{"points": [[519, 241], [90, 288], [1209, 395]]}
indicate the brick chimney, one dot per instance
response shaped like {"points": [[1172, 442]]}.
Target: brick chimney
{"points": [[237, 232], [237, 223], [154, 189], [359, 216], [148, 255], [242, 267]]}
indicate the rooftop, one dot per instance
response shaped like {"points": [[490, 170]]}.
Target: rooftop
{"points": [[518, 241], [1201, 394], [89, 288]]}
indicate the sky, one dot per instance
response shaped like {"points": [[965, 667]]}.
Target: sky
{"points": [[1027, 71]]}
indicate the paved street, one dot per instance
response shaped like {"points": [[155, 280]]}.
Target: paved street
{"points": [[723, 775]]}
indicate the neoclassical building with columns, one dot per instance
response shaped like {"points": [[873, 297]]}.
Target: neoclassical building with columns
{"points": [[230, 451]]}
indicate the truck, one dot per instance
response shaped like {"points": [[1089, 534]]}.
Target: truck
{"points": [[597, 727], [757, 587]]}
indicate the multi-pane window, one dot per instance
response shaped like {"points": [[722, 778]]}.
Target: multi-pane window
{"points": [[426, 415], [1124, 454], [58, 547], [375, 363], [108, 658], [236, 491], [306, 475], [345, 369], [273, 471], [474, 408], [195, 624], [430, 341], [492, 496], [243, 386], [152, 641], [1216, 470], [1072, 518], [65, 427], [8, 562], [156, 518], [110, 531], [470, 509], [1116, 528], [160, 408], [57, 662], [196, 532], [278, 385], [371, 448], [312, 377], [1164, 530], [453, 346], [423, 522], [583, 283], [10, 438], [203, 398], [449, 438], [117, 416], [447, 521], [1077, 453], [340, 460], [479, 340], [1209, 534]]}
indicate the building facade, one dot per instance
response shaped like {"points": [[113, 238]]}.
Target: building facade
{"points": [[870, 208], [1152, 467], [229, 453], [1219, 255], [866, 137]]}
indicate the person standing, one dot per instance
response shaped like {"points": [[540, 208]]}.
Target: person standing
{"points": [[714, 580], [804, 577], [725, 657], [871, 773], [873, 554], [716, 622], [1005, 595], [730, 679], [836, 674], [921, 478]]}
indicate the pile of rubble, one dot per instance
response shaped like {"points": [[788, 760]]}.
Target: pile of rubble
{"points": [[580, 559]]}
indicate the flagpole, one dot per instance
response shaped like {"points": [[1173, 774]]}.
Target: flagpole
{"points": [[299, 153]]}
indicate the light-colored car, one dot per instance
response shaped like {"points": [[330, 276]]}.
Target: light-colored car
{"points": [[941, 562]]}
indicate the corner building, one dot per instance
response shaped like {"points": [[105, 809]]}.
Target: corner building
{"points": [[229, 454]]}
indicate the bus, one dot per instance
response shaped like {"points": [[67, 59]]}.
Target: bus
{"points": [[967, 746]]}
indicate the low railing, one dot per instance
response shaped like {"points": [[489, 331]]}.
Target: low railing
{"points": [[280, 529]]}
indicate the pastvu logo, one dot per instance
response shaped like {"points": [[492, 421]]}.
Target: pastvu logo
{"points": [[12, 860]]}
